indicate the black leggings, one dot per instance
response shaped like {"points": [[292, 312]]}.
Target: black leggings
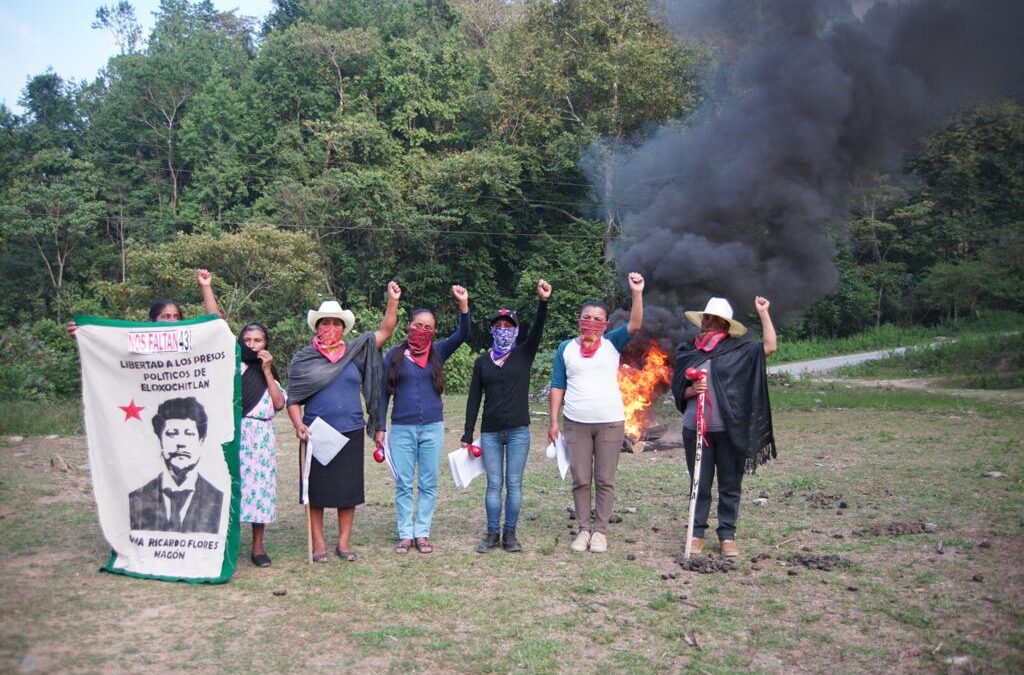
{"points": [[720, 458]]}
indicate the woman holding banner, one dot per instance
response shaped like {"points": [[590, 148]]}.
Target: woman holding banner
{"points": [[585, 376], [415, 378], [324, 380], [166, 310]]}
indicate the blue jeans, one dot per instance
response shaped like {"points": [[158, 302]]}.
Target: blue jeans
{"points": [[511, 448], [412, 446]]}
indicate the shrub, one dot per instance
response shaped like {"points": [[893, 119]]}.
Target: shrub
{"points": [[38, 362], [458, 370]]}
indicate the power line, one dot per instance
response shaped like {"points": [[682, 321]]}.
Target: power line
{"points": [[39, 216]]}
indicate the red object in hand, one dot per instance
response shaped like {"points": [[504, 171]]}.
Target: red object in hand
{"points": [[378, 454], [694, 374], [475, 450]]}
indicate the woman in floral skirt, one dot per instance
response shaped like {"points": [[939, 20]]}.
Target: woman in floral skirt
{"points": [[262, 396]]}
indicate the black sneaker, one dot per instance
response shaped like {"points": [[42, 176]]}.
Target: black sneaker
{"points": [[490, 540], [509, 542], [260, 559]]}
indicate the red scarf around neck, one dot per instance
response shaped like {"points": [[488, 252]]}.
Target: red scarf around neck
{"points": [[708, 341], [590, 328], [333, 354], [419, 343]]}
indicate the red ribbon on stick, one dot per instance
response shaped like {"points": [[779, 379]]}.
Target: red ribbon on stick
{"points": [[695, 375]]}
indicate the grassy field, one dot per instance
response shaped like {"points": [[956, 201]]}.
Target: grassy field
{"points": [[887, 336], [973, 362], [852, 464]]}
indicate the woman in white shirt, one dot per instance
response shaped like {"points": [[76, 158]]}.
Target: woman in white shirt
{"points": [[585, 377]]}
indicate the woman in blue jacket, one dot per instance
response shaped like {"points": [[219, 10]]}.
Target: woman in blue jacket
{"points": [[414, 376]]}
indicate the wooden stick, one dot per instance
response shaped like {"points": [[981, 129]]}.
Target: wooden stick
{"points": [[696, 477], [302, 485]]}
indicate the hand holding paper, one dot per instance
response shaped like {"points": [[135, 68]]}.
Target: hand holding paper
{"points": [[560, 453], [327, 441], [465, 466]]}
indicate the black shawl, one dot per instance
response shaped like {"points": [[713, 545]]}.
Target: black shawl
{"points": [[741, 388], [254, 382], [310, 371]]}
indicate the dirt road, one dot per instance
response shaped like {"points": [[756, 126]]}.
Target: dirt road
{"points": [[832, 362]]}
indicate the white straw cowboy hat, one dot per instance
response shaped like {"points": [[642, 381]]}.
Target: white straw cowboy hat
{"points": [[331, 309], [721, 308]]}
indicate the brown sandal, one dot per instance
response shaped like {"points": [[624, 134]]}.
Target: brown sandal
{"points": [[403, 546], [423, 545]]}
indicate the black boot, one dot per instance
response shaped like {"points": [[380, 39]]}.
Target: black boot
{"points": [[509, 542], [490, 540]]}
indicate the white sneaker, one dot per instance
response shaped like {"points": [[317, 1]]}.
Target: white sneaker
{"points": [[582, 540], [598, 543]]}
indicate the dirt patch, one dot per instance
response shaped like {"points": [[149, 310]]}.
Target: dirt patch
{"points": [[825, 500], [706, 564], [825, 563], [896, 530]]}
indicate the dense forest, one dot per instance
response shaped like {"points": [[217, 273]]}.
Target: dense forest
{"points": [[336, 144]]}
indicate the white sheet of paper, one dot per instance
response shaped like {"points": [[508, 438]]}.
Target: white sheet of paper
{"points": [[563, 455], [387, 455], [326, 441], [454, 466], [465, 467], [304, 497]]}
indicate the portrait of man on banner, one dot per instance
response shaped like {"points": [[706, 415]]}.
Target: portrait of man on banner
{"points": [[180, 499]]}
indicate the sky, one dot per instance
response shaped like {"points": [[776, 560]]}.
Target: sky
{"points": [[40, 34]]}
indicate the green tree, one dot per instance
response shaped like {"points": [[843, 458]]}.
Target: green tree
{"points": [[150, 92], [53, 208], [260, 273], [213, 140], [51, 118], [120, 20], [344, 54], [571, 73]]}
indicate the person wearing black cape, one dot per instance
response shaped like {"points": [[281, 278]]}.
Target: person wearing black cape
{"points": [[738, 414], [325, 379]]}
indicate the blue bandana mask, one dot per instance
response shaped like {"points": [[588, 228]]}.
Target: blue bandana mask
{"points": [[504, 341]]}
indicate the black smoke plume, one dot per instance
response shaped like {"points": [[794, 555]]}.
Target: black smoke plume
{"points": [[737, 199]]}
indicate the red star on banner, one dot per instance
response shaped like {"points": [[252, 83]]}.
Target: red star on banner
{"points": [[131, 410]]}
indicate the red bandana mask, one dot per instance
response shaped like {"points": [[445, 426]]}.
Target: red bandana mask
{"points": [[420, 340], [708, 341], [591, 329], [328, 342]]}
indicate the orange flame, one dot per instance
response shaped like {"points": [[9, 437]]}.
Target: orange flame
{"points": [[641, 386]]}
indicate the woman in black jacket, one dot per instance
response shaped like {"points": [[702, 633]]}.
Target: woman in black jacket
{"points": [[501, 376]]}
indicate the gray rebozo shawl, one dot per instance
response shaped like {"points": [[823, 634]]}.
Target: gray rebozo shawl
{"points": [[310, 371]]}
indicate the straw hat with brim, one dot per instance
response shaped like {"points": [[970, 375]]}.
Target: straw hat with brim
{"points": [[721, 308], [331, 309]]}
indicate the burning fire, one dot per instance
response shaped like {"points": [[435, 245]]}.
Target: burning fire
{"points": [[641, 384]]}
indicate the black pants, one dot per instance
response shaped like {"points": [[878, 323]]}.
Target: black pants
{"points": [[722, 459]]}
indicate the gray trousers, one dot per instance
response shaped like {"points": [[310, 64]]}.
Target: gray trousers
{"points": [[594, 450]]}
